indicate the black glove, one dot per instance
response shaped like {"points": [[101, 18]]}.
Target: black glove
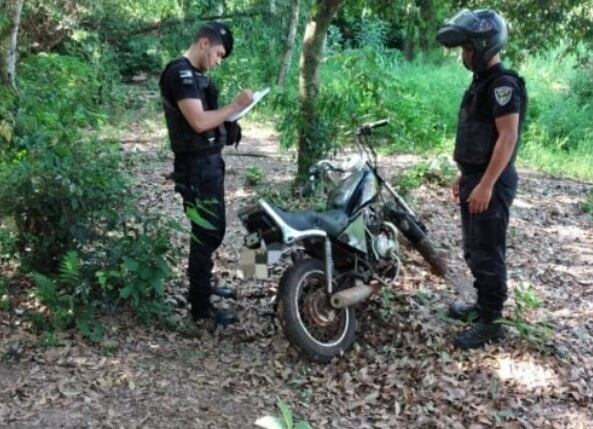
{"points": [[233, 133]]}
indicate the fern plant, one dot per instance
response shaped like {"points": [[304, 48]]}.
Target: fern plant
{"points": [[526, 302], [58, 294]]}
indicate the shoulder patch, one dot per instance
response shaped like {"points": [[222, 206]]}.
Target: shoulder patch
{"points": [[503, 94], [186, 77]]}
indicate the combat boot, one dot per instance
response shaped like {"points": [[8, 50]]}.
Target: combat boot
{"points": [[479, 334], [224, 293], [220, 316]]}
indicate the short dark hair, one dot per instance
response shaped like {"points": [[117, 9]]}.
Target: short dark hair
{"points": [[218, 34]]}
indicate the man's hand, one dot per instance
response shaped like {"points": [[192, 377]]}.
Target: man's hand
{"points": [[479, 199], [244, 99], [455, 188]]}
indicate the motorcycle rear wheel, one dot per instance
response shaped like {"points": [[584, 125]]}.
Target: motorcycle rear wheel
{"points": [[311, 324]]}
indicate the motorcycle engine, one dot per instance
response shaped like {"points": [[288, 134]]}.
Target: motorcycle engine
{"points": [[385, 247], [384, 237]]}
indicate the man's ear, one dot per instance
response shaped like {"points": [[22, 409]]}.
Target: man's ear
{"points": [[204, 43]]}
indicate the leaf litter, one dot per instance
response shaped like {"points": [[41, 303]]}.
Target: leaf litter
{"points": [[402, 371]]}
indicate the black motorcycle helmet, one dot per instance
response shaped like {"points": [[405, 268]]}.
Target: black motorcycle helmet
{"points": [[484, 29], [219, 33]]}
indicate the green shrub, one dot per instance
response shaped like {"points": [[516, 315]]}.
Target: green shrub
{"points": [[60, 196], [133, 264], [254, 175], [137, 54], [59, 94], [128, 268], [439, 171], [370, 33]]}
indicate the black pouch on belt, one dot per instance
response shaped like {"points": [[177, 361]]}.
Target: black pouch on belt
{"points": [[233, 133]]}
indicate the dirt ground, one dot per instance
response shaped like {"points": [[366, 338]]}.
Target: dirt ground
{"points": [[403, 371]]}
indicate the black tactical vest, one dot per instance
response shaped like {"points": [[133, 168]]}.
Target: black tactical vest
{"points": [[183, 138], [476, 129]]}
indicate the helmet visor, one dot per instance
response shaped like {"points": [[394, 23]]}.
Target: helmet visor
{"points": [[466, 20]]}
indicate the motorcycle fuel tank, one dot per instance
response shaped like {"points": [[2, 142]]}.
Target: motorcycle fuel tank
{"points": [[354, 192]]}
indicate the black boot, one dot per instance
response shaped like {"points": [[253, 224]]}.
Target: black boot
{"points": [[219, 315], [463, 311], [225, 293], [479, 334]]}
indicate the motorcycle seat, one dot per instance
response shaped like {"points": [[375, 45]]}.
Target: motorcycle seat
{"points": [[332, 221]]}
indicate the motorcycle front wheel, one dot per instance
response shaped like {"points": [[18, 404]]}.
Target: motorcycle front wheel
{"points": [[311, 324]]}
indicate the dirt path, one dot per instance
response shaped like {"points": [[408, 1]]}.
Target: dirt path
{"points": [[402, 372]]}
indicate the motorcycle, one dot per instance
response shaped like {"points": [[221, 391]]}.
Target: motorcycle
{"points": [[341, 256]]}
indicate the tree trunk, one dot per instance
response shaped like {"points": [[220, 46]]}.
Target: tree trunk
{"points": [[289, 45], [313, 42], [273, 8], [428, 24], [409, 46], [8, 40]]}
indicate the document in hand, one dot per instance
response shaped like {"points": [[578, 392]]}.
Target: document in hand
{"points": [[257, 96]]}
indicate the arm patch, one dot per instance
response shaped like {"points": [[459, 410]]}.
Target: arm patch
{"points": [[503, 94]]}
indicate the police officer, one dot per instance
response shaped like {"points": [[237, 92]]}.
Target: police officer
{"points": [[490, 120], [198, 131]]}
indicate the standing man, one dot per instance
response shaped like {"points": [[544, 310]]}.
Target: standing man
{"points": [[490, 119], [198, 132]]}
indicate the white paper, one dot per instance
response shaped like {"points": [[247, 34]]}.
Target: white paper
{"points": [[257, 96]]}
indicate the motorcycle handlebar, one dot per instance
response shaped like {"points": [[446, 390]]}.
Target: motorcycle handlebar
{"points": [[367, 128]]}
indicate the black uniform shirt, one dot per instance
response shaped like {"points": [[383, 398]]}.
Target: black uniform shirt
{"points": [[178, 83], [493, 93], [503, 94]]}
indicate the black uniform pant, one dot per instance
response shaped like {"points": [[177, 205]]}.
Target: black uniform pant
{"points": [[200, 180], [484, 241]]}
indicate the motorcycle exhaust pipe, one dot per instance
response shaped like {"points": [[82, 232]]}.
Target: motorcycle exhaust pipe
{"points": [[353, 295]]}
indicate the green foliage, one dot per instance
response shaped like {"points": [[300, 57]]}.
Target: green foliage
{"points": [[439, 171], [103, 60], [364, 85], [526, 303], [334, 41], [558, 130], [74, 95], [286, 421], [126, 268], [536, 25], [370, 33], [254, 175], [60, 196], [421, 99], [133, 265], [58, 294], [139, 53]]}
